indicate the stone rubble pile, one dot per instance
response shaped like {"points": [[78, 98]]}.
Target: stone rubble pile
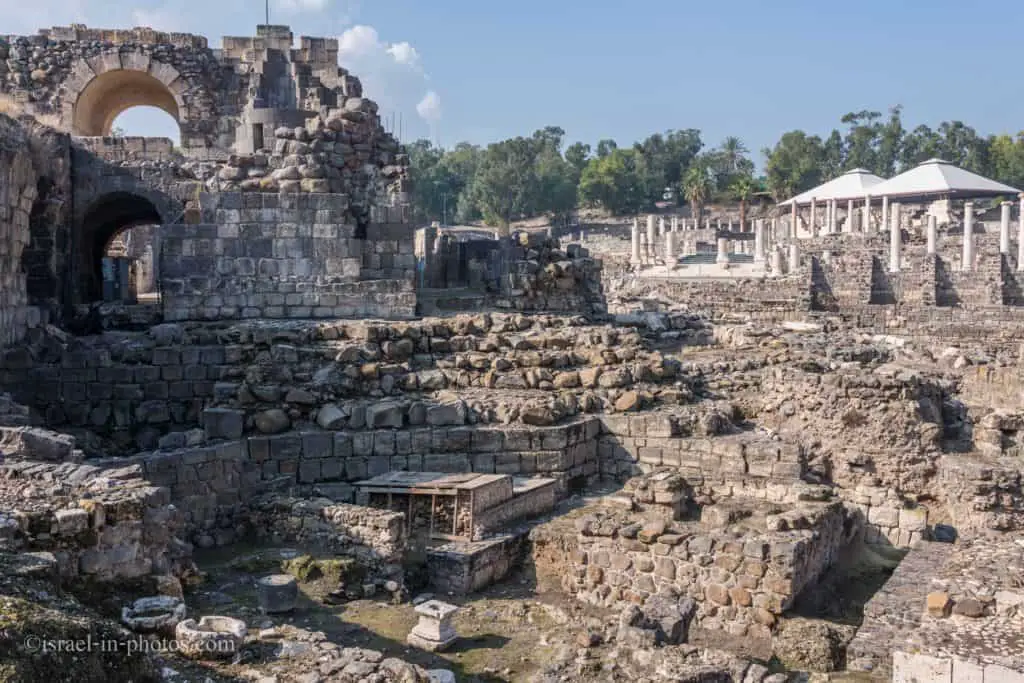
{"points": [[348, 152]]}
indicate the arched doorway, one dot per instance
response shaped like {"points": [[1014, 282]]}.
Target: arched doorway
{"points": [[120, 248], [112, 92]]}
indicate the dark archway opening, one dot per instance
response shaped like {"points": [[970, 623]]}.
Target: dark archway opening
{"points": [[120, 248]]}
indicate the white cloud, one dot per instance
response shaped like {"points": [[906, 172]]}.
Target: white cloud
{"points": [[392, 73], [404, 53], [429, 108], [296, 6]]}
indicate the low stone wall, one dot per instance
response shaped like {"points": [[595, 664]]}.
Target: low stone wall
{"points": [[983, 494], [376, 537], [525, 505], [740, 583], [106, 525], [214, 483], [888, 519], [465, 567], [918, 668], [710, 463]]}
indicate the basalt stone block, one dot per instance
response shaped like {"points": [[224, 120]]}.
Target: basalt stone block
{"points": [[223, 423]]}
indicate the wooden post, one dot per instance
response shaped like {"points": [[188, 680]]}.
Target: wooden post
{"points": [[433, 506]]}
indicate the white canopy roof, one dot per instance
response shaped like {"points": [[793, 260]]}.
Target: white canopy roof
{"points": [[936, 178], [850, 185]]}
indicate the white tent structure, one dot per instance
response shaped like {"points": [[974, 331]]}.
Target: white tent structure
{"points": [[938, 179], [853, 184]]}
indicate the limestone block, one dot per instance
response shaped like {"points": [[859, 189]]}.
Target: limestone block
{"points": [[919, 668], [967, 672], [994, 673]]}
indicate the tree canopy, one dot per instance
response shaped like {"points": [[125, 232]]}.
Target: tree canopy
{"points": [[538, 175]]}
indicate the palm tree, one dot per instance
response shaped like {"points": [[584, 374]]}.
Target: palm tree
{"points": [[696, 188], [732, 150], [743, 188]]}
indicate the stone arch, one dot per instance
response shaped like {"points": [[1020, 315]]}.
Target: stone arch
{"points": [[100, 88], [106, 217]]}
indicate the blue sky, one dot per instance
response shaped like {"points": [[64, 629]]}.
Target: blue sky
{"points": [[621, 70]]}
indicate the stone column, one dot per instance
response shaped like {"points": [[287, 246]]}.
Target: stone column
{"points": [[933, 234], [670, 250], [774, 233], [759, 241], [894, 240], [794, 221], [830, 219], [794, 257], [661, 226], [850, 213], [1020, 236], [650, 229], [1004, 228], [967, 264], [867, 214], [723, 251], [635, 256], [885, 215], [777, 261], [675, 223], [813, 226]]}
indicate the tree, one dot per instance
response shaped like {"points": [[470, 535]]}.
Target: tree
{"points": [[578, 154], [743, 188], [890, 143], [919, 145], [612, 182], [606, 147], [117, 132], [1006, 158], [504, 184], [732, 151], [795, 164], [832, 155], [861, 142], [696, 187]]}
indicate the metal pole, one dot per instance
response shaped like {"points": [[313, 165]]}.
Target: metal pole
{"points": [[268, 12]]}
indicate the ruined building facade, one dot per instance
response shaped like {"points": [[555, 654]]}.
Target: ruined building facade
{"points": [[286, 191]]}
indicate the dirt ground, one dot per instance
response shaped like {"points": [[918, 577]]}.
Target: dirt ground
{"points": [[506, 632]]}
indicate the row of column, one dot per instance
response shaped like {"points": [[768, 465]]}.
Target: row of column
{"points": [[643, 244], [892, 215], [831, 218], [967, 256]]}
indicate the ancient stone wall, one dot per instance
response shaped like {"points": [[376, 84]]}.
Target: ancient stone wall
{"points": [[262, 255], [84, 77], [214, 483], [377, 537], [18, 191], [100, 524], [740, 584]]}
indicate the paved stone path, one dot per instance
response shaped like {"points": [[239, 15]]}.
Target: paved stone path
{"points": [[896, 610]]}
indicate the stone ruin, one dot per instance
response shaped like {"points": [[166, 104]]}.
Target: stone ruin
{"points": [[617, 473]]}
